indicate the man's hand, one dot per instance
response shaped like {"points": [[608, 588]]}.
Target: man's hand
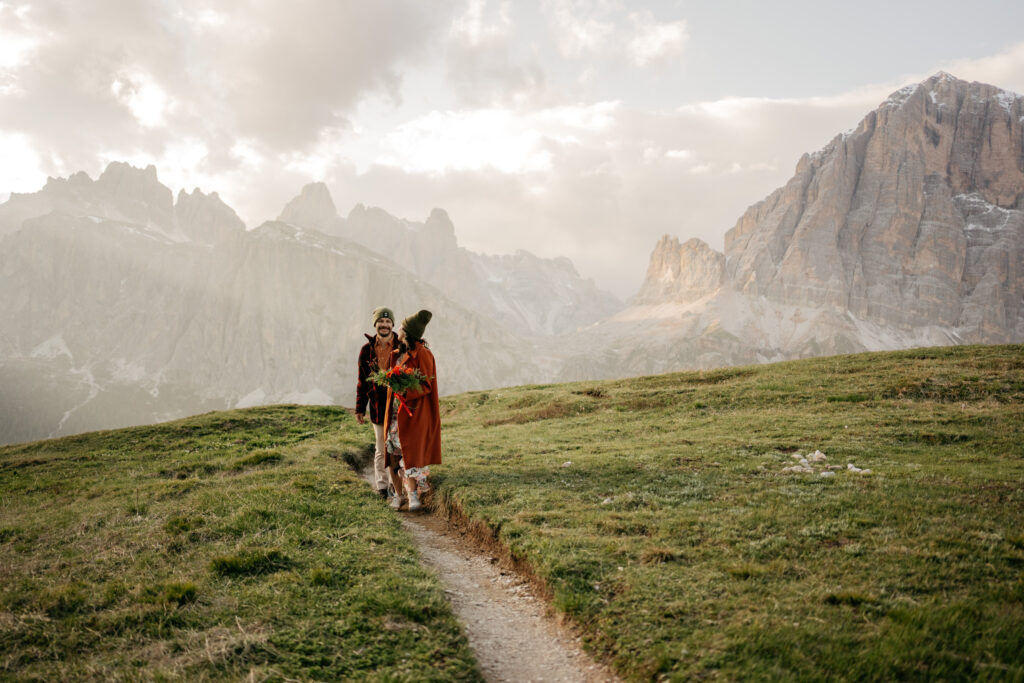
{"points": [[361, 418]]}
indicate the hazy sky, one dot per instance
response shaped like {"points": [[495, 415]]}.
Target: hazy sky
{"points": [[583, 129]]}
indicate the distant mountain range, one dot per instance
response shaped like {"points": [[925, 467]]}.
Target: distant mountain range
{"points": [[906, 231], [122, 304]]}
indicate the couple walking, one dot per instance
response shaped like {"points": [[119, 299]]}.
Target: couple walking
{"points": [[407, 427]]}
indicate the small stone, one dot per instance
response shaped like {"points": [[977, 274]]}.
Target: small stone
{"points": [[607, 501], [828, 474], [818, 456], [567, 463], [865, 471]]}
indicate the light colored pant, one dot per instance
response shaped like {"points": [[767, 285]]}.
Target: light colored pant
{"points": [[380, 472]]}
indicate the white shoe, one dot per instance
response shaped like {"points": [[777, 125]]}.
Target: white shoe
{"points": [[396, 502], [414, 502]]}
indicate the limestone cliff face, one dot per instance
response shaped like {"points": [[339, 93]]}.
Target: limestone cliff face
{"points": [[901, 220], [680, 273]]}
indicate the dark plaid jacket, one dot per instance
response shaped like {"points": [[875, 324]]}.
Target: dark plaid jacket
{"points": [[368, 394]]}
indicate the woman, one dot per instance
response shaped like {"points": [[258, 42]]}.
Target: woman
{"points": [[419, 422]]}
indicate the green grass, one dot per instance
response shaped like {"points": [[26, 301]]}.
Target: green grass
{"points": [[228, 546], [654, 511], [683, 551]]}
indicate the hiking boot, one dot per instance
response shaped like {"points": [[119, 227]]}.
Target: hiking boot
{"points": [[397, 502], [414, 502]]}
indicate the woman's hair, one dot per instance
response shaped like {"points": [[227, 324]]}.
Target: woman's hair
{"points": [[410, 344]]}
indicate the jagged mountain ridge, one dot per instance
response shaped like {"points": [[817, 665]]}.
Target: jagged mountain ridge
{"points": [[131, 196], [113, 316], [906, 231], [520, 292]]}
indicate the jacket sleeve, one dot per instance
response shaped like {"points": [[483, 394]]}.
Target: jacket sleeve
{"points": [[363, 385], [427, 366]]}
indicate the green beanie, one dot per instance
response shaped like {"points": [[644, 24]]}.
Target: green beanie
{"points": [[415, 325], [383, 312]]}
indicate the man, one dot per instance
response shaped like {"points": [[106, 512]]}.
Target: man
{"points": [[376, 354], [419, 425]]}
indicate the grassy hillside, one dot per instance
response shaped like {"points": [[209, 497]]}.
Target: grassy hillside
{"points": [[679, 543], [656, 511], [229, 546]]}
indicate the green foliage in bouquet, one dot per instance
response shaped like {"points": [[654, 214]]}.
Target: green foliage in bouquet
{"points": [[399, 379]]}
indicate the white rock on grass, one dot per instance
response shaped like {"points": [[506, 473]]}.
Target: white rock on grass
{"points": [[567, 463], [818, 456], [828, 474]]}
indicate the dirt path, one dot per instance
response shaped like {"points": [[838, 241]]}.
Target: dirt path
{"points": [[508, 627]]}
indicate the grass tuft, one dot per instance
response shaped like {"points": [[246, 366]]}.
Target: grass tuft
{"points": [[658, 555], [176, 593], [851, 598], [252, 562], [258, 459]]}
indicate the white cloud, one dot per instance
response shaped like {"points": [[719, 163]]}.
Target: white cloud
{"points": [[605, 29], [506, 140], [467, 140], [15, 49], [472, 27], [1005, 69], [654, 41], [581, 28], [247, 153], [20, 169], [139, 92], [318, 161]]}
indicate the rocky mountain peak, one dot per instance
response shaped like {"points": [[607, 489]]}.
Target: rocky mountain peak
{"points": [[135, 195], [313, 208], [440, 227], [886, 222], [205, 218], [681, 273]]}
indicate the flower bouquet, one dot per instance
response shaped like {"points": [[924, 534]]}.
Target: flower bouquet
{"points": [[400, 379]]}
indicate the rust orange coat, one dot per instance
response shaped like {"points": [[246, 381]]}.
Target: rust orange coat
{"points": [[420, 433]]}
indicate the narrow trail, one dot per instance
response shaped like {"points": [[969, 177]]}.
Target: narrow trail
{"points": [[508, 625]]}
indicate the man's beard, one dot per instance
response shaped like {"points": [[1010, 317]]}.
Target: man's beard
{"points": [[384, 336]]}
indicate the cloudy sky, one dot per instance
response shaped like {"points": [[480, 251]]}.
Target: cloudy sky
{"points": [[564, 127]]}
